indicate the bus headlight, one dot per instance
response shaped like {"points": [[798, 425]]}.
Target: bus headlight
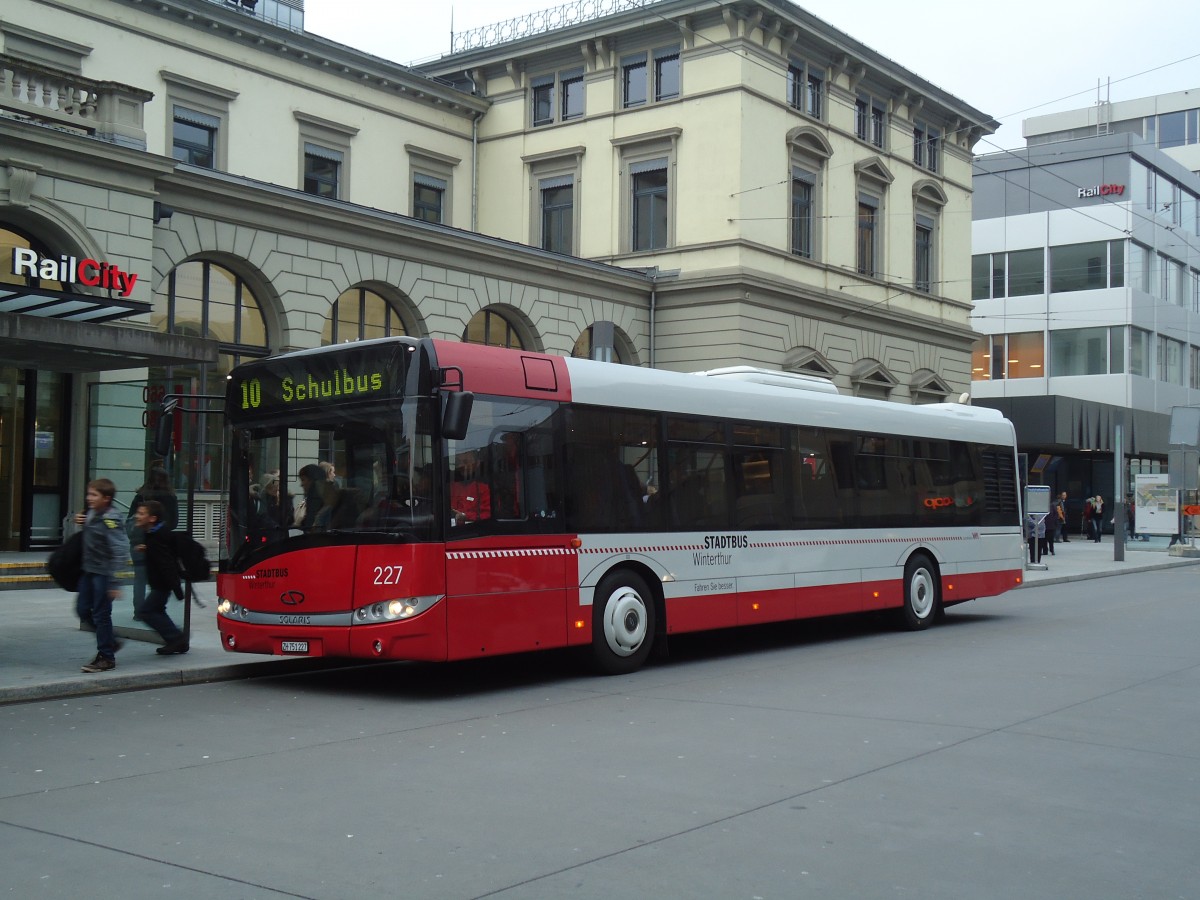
{"points": [[231, 610], [392, 610]]}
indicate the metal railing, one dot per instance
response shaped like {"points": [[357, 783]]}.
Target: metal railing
{"points": [[566, 14]]}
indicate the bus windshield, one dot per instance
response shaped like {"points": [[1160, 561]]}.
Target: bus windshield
{"points": [[329, 448]]}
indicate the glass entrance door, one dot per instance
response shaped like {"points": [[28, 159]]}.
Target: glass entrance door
{"points": [[34, 437]]}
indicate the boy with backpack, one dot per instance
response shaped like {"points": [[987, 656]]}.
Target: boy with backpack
{"points": [[162, 576], [105, 552]]}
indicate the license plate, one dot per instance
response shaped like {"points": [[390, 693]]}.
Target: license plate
{"points": [[295, 646]]}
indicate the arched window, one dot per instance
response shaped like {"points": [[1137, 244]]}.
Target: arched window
{"points": [[586, 345], [204, 299], [491, 328], [360, 314], [11, 240]]}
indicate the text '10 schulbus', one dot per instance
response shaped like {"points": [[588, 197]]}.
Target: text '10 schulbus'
{"points": [[487, 501]]}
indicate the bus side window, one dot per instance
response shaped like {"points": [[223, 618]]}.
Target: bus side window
{"points": [[759, 504]]}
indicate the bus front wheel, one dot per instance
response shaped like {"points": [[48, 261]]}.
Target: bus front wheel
{"points": [[922, 589], [622, 623]]}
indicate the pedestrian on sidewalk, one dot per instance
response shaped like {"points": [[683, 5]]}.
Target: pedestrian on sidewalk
{"points": [[1051, 528], [162, 576], [157, 487], [1097, 518], [1061, 509], [105, 552]]}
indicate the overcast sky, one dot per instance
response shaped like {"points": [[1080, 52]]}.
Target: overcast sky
{"points": [[1011, 60]]}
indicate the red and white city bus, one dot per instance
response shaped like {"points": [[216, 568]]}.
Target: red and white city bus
{"points": [[490, 501]]}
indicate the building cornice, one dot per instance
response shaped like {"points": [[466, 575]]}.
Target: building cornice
{"points": [[330, 57]]}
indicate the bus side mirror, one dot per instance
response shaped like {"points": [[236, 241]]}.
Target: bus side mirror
{"points": [[163, 432], [457, 414]]}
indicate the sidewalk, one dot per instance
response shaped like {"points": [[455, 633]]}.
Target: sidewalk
{"points": [[42, 648]]}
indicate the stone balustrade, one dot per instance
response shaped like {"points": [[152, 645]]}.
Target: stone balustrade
{"points": [[106, 110]]}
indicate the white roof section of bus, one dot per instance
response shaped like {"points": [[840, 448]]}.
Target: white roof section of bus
{"points": [[655, 390], [796, 381]]}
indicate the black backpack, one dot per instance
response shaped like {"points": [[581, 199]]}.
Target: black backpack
{"points": [[193, 564], [65, 564]]}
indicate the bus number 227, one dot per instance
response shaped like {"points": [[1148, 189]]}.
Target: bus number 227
{"points": [[388, 574]]}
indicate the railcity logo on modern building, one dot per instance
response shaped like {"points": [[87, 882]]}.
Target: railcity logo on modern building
{"points": [[1102, 190], [70, 270]]}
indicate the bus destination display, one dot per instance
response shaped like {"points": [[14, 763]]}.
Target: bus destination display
{"points": [[306, 381]]}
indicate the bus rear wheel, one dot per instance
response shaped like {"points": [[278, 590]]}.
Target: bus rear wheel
{"points": [[922, 593], [623, 621]]}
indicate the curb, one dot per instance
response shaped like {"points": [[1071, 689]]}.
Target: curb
{"points": [[120, 683], [1086, 576]]}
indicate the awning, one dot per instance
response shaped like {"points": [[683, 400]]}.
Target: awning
{"points": [[1059, 423], [63, 345], [48, 304]]}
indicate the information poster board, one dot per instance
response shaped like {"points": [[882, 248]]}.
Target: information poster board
{"points": [[1156, 506], [1037, 500]]}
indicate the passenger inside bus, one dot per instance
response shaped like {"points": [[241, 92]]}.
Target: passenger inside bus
{"points": [[312, 483], [340, 507], [274, 511], [470, 496]]}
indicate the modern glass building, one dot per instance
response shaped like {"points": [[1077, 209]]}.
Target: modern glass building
{"points": [[1086, 288]]}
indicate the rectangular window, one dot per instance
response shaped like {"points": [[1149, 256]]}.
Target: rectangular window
{"points": [[1142, 262], [633, 81], [981, 276], [322, 168], [923, 252], [868, 216], [696, 489], [805, 88], [1026, 355], [543, 100], [1164, 192], [1166, 279], [862, 118], [1194, 369], [572, 94], [1170, 360], [429, 196], [617, 455], [666, 73], [1116, 349], [650, 204], [802, 212], [637, 75], [1085, 267], [1172, 129], [1026, 272], [1019, 273], [925, 146], [558, 213], [194, 137], [1139, 352], [1079, 351], [869, 118], [567, 87]]}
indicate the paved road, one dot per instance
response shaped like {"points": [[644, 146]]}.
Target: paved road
{"points": [[1039, 745], [42, 649]]}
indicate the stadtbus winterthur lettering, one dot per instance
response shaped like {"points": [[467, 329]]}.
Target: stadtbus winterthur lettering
{"points": [[341, 383]]}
